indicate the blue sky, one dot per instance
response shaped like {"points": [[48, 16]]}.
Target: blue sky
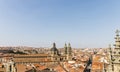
{"points": [[39, 23]]}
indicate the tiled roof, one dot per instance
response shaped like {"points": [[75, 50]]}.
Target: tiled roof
{"points": [[97, 65]]}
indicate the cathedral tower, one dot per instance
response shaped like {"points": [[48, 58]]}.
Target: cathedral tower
{"points": [[65, 49], [116, 53], [69, 52], [69, 49]]}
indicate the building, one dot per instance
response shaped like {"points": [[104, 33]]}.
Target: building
{"points": [[56, 56], [31, 58], [69, 52], [116, 54]]}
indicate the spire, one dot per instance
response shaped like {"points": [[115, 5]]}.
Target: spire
{"points": [[69, 52], [115, 57], [117, 39], [69, 46], [69, 49], [65, 47], [116, 53], [117, 32]]}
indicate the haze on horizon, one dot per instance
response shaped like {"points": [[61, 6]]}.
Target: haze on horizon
{"points": [[39, 23]]}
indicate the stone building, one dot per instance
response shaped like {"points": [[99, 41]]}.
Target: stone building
{"points": [[10, 67], [68, 52], [56, 56], [114, 55]]}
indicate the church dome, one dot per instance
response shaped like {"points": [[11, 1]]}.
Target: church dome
{"points": [[54, 50]]}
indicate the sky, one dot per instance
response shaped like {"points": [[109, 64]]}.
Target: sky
{"points": [[39, 23]]}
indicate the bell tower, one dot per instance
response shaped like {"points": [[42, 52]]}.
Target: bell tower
{"points": [[69, 52], [116, 53], [69, 49], [65, 49]]}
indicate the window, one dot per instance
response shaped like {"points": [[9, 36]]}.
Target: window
{"points": [[119, 52], [114, 52]]}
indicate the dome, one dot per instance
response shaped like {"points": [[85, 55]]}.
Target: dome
{"points": [[54, 48]]}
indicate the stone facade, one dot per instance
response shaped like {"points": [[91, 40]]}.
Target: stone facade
{"points": [[56, 56], [114, 55]]}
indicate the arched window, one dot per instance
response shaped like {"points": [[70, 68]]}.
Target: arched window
{"points": [[114, 52]]}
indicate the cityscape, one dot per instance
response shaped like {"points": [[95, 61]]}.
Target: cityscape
{"points": [[59, 36], [66, 59]]}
